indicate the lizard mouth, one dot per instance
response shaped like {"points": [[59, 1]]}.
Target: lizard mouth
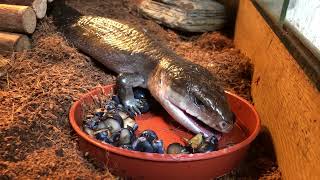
{"points": [[186, 119]]}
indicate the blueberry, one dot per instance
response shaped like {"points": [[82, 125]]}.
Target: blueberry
{"points": [[206, 147], [212, 140], [131, 114], [92, 123], [140, 93], [145, 106], [115, 137], [110, 105], [135, 127], [103, 136], [158, 146], [149, 134], [141, 144], [116, 99]]}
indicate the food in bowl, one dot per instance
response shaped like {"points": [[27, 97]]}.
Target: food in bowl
{"points": [[114, 125]]}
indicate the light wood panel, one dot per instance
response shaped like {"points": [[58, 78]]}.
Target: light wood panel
{"points": [[287, 102]]}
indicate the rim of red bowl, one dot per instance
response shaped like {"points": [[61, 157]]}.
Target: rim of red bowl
{"points": [[163, 157]]}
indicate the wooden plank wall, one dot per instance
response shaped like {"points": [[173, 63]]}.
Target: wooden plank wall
{"points": [[287, 102]]}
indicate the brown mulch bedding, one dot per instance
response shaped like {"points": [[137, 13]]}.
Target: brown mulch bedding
{"points": [[36, 139]]}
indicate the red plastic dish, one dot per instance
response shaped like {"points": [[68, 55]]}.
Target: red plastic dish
{"points": [[139, 165]]}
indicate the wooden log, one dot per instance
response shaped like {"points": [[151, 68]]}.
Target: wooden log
{"points": [[185, 15], [13, 42], [4, 66], [15, 18], [39, 6]]}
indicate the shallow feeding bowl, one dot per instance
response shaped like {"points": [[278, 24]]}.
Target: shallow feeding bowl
{"points": [[139, 165]]}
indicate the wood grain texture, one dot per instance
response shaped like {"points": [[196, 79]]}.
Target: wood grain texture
{"points": [[13, 42], [14, 18], [39, 6], [185, 15], [287, 102]]}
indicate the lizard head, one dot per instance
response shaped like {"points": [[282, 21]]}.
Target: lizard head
{"points": [[190, 94]]}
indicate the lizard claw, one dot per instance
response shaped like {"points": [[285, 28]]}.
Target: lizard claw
{"points": [[137, 110], [133, 105]]}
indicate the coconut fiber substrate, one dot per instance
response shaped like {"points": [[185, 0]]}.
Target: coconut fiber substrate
{"points": [[36, 139]]}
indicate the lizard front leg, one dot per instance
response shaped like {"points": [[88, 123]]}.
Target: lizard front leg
{"points": [[125, 84]]}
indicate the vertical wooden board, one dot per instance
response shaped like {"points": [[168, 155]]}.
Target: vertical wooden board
{"points": [[244, 33], [288, 104]]}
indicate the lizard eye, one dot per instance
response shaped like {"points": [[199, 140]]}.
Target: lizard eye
{"points": [[223, 124], [198, 102]]}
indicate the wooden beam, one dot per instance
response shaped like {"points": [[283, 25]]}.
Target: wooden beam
{"points": [[287, 102], [15, 18]]}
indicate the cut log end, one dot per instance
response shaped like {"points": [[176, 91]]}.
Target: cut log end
{"points": [[29, 21], [14, 18], [10, 42], [40, 7], [23, 43]]}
